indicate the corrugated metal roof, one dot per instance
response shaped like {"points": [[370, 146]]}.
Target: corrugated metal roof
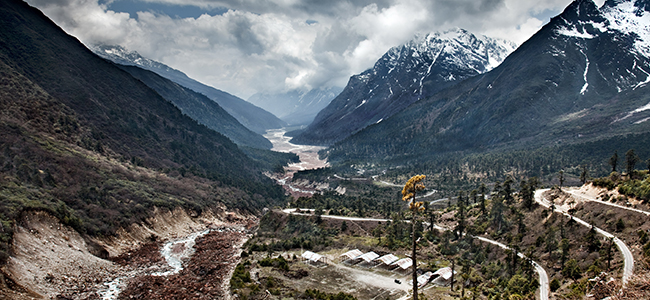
{"points": [[445, 273], [424, 278], [311, 256], [370, 256], [388, 259], [352, 254], [404, 263]]}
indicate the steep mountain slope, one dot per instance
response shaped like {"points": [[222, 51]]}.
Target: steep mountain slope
{"points": [[97, 148], [405, 74], [582, 77], [254, 118], [296, 107], [200, 108]]}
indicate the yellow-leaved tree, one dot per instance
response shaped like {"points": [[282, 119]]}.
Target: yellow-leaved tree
{"points": [[411, 188]]}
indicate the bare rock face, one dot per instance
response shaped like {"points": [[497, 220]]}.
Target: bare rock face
{"points": [[51, 259]]}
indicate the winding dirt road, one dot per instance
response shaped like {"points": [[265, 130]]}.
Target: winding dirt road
{"points": [[628, 259], [584, 196]]}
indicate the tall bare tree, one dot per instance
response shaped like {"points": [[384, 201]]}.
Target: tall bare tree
{"points": [[411, 188]]}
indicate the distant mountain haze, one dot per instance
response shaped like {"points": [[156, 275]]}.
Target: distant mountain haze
{"points": [[583, 77], [254, 118], [402, 76], [296, 107]]}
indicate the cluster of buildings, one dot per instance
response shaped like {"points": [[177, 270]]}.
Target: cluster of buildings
{"points": [[441, 277]]}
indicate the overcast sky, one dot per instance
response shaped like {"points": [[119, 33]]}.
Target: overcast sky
{"points": [[249, 46]]}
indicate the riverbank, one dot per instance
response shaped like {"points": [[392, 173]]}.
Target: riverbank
{"points": [[308, 160]]}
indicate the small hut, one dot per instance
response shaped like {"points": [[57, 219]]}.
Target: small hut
{"points": [[367, 259], [313, 258], [424, 279], [403, 265], [387, 260], [442, 277], [351, 256]]}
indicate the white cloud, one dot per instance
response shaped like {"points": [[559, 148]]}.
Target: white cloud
{"points": [[260, 45]]}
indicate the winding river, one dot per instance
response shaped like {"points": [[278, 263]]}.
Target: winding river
{"points": [[308, 160], [308, 154]]}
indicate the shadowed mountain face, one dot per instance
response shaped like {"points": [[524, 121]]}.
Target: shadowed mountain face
{"points": [[200, 108], [582, 77], [254, 118], [89, 143], [405, 74]]}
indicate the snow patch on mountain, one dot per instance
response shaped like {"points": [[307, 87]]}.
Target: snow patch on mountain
{"points": [[574, 32], [629, 19], [586, 85]]}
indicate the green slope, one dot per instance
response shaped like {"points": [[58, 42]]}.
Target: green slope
{"points": [[97, 148]]}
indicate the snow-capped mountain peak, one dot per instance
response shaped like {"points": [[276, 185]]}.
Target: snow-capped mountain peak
{"points": [[629, 18], [404, 74], [456, 47], [123, 56]]}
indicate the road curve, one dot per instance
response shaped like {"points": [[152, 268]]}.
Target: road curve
{"points": [[544, 287], [628, 259], [543, 277], [575, 193]]}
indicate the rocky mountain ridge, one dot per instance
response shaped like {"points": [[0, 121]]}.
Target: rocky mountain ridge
{"points": [[582, 77], [402, 76]]}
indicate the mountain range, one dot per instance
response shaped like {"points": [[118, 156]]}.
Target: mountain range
{"points": [[402, 76], [296, 107], [583, 77], [254, 118]]}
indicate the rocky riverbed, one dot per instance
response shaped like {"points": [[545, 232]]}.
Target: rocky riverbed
{"points": [[182, 257], [204, 276], [308, 160]]}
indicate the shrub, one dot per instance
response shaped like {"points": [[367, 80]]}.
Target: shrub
{"points": [[554, 285], [239, 277], [278, 262], [572, 269]]}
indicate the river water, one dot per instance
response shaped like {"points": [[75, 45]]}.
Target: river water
{"points": [[174, 252], [308, 154], [308, 160]]}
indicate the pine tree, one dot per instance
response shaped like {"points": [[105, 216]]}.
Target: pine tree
{"points": [[461, 214], [528, 192], [613, 161], [482, 190], [631, 159], [564, 246], [506, 191], [551, 243], [583, 174]]}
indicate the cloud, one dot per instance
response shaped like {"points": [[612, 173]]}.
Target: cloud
{"points": [[277, 45]]}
